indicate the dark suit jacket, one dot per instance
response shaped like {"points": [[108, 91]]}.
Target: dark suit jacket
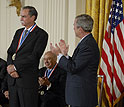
{"points": [[2, 70], [3, 73], [57, 89], [81, 85], [27, 57]]}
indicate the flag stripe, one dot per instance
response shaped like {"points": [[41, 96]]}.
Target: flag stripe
{"points": [[118, 81], [118, 72], [119, 46], [120, 36], [105, 59], [116, 91], [119, 59]]}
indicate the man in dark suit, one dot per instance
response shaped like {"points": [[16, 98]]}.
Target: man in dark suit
{"points": [[3, 72], [81, 83], [23, 59], [52, 83]]}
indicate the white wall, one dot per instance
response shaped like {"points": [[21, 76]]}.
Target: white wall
{"points": [[55, 16]]}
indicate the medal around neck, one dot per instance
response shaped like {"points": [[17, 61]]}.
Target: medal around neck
{"points": [[42, 93], [13, 57]]}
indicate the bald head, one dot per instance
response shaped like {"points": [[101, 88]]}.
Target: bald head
{"points": [[50, 59]]}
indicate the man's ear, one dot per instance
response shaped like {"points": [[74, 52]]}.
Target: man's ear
{"points": [[81, 30], [33, 17]]}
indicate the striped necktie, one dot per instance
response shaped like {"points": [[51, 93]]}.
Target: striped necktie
{"points": [[24, 34], [48, 72]]}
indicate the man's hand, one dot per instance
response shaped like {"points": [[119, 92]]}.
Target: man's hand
{"points": [[56, 50], [6, 93], [63, 47], [41, 81], [14, 74], [44, 81], [10, 69], [47, 82]]}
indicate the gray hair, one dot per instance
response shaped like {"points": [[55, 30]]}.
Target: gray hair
{"points": [[32, 11], [85, 22]]}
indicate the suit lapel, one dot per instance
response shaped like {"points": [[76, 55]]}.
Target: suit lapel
{"points": [[17, 38], [53, 76], [80, 45], [53, 71], [29, 38]]}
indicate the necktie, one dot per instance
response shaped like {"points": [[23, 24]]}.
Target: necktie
{"points": [[24, 34], [48, 72]]}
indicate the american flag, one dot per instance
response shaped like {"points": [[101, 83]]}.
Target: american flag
{"points": [[112, 59]]}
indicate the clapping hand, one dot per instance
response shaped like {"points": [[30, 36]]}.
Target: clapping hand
{"points": [[44, 81], [62, 48], [56, 50]]}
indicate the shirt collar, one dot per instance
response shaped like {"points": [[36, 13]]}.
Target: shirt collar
{"points": [[28, 28], [83, 37]]}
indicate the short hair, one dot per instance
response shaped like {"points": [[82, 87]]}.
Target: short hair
{"points": [[85, 22], [53, 56], [32, 11]]}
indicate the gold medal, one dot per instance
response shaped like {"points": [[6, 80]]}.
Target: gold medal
{"points": [[42, 93], [14, 55]]}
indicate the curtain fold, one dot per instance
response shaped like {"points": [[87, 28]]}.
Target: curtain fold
{"points": [[99, 10]]}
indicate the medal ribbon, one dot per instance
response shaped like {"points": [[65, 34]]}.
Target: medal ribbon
{"points": [[45, 75], [22, 34]]}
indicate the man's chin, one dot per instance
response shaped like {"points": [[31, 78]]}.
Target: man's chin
{"points": [[47, 66], [22, 24]]}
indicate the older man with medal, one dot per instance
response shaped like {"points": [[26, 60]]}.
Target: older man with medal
{"points": [[51, 83], [23, 60]]}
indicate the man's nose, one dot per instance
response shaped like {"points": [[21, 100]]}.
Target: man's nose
{"points": [[21, 18], [46, 61]]}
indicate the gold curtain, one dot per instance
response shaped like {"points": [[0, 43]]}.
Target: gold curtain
{"points": [[99, 10]]}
